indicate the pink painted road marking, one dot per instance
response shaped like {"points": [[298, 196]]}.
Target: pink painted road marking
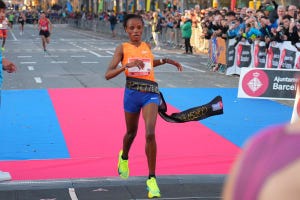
{"points": [[92, 122]]}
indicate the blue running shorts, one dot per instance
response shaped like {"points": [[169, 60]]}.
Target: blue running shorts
{"points": [[134, 100]]}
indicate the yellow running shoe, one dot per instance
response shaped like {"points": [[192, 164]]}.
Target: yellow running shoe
{"points": [[123, 169], [153, 190]]}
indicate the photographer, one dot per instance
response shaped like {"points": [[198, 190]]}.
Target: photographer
{"points": [[267, 30], [235, 29], [292, 11], [217, 25], [251, 32], [287, 31]]}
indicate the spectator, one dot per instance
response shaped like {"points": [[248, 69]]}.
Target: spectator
{"points": [[292, 11], [251, 32], [268, 9], [250, 12], [268, 167], [235, 29], [266, 30], [156, 24], [186, 31], [287, 31], [280, 13], [113, 21]]}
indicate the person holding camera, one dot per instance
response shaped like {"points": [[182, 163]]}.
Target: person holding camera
{"points": [[235, 29], [293, 12], [251, 32], [267, 30], [287, 31]]}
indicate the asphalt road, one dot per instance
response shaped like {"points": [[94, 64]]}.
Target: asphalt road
{"points": [[79, 59]]}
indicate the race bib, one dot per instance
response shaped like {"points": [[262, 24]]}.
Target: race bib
{"points": [[44, 28], [3, 26], [135, 71]]}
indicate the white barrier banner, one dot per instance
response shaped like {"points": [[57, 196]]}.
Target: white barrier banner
{"points": [[278, 56], [268, 83], [273, 55], [287, 56], [259, 54], [244, 54], [231, 61]]}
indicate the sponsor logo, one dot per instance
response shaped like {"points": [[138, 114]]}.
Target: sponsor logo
{"points": [[255, 82]]}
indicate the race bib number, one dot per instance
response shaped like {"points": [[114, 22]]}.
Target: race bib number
{"points": [[44, 28], [3, 26], [135, 71]]}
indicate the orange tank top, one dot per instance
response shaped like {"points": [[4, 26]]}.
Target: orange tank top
{"points": [[142, 52]]}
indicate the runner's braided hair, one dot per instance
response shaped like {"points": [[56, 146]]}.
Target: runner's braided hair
{"points": [[2, 5], [131, 16]]}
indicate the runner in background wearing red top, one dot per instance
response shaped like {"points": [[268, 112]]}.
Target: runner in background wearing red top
{"points": [[3, 25], [45, 28]]}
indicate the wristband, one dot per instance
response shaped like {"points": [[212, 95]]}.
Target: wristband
{"points": [[161, 61]]}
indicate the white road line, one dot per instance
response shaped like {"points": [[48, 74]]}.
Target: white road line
{"points": [[192, 68], [13, 35], [38, 79], [73, 194], [30, 68], [109, 52], [48, 56], [171, 85], [88, 62], [98, 55], [27, 62], [24, 56], [94, 53], [77, 56], [59, 62]]}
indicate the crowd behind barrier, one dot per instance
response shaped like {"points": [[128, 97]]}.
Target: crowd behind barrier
{"points": [[221, 32], [265, 38], [170, 37], [279, 55]]}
